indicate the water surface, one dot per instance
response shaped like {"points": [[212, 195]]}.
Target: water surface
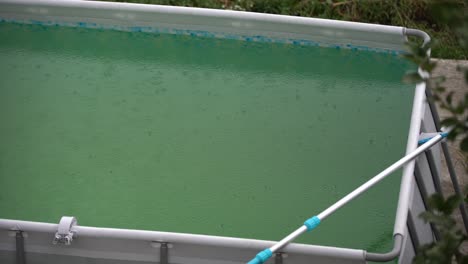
{"points": [[198, 135]]}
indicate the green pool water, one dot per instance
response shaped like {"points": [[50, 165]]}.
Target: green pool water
{"points": [[198, 135]]}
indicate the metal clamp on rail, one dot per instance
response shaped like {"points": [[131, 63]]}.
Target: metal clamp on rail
{"points": [[64, 234]]}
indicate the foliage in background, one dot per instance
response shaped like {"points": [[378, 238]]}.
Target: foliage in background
{"points": [[406, 13], [440, 210], [453, 13], [448, 248]]}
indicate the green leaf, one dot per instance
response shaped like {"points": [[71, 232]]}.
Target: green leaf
{"points": [[413, 77], [439, 79], [451, 121], [415, 59], [464, 144], [440, 89], [451, 203], [436, 201], [453, 134], [464, 259], [460, 108], [428, 66], [437, 219], [449, 97]]}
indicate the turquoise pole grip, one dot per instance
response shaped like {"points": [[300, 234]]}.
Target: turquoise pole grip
{"points": [[312, 223], [261, 257], [424, 140]]}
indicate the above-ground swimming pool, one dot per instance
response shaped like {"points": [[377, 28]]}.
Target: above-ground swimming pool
{"points": [[198, 135], [191, 131]]}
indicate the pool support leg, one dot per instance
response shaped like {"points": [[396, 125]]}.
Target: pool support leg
{"points": [[279, 258], [164, 254], [448, 160], [20, 258]]}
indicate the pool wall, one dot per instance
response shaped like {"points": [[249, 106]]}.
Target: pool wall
{"points": [[146, 246], [206, 23]]}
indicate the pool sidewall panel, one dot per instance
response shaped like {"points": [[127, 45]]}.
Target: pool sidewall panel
{"points": [[139, 245], [206, 22]]}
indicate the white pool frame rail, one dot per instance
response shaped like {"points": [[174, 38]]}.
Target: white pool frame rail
{"points": [[148, 246]]}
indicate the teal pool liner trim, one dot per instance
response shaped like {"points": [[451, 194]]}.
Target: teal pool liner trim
{"points": [[200, 33]]}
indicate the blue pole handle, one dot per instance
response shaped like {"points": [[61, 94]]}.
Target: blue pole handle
{"points": [[312, 223], [261, 257], [424, 140]]}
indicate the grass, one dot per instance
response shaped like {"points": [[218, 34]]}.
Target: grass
{"points": [[406, 13]]}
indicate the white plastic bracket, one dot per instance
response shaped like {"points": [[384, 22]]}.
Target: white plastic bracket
{"points": [[65, 233]]}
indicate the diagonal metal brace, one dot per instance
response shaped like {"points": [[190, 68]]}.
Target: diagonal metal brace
{"points": [[65, 234]]}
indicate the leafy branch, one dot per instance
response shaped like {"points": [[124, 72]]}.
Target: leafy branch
{"points": [[451, 237], [447, 249]]}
